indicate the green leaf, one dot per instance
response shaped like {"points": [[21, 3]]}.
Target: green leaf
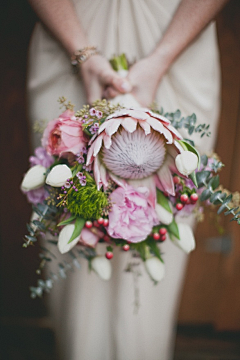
{"points": [[202, 177], [224, 204], [206, 194], [67, 221], [154, 248], [214, 182], [204, 160], [31, 238], [141, 247], [39, 224], [173, 229], [192, 176], [216, 197], [79, 224], [232, 211], [163, 201], [189, 147]]}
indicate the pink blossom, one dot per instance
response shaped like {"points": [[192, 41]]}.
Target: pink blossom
{"points": [[64, 135], [131, 217], [41, 158], [36, 196]]}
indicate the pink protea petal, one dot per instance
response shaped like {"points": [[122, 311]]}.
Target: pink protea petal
{"points": [[129, 124], [103, 175], [96, 172], [158, 116], [97, 145], [145, 126], [117, 180], [175, 132], [107, 141], [113, 126], [88, 238], [178, 146], [119, 113], [158, 126], [166, 179], [90, 157]]}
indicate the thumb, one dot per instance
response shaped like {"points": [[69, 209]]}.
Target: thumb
{"points": [[115, 81]]}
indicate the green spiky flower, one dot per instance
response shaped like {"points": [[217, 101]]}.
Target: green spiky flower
{"points": [[87, 202]]}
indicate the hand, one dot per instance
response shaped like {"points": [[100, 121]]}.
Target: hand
{"points": [[101, 80], [145, 76]]}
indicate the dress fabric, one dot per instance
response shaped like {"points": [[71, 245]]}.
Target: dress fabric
{"points": [[93, 319]]}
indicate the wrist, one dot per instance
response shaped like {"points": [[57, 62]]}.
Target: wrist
{"points": [[161, 60]]}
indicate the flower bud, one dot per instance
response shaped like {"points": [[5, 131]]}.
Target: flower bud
{"points": [[34, 178], [64, 237], [186, 162], [164, 216], [58, 175], [102, 267], [155, 268], [187, 240]]}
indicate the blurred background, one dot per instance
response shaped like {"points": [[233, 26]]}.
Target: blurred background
{"points": [[209, 317]]}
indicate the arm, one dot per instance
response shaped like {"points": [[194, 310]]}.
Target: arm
{"points": [[59, 16], [190, 18]]}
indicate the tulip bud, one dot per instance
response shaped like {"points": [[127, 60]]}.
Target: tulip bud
{"points": [[187, 240], [164, 216], [34, 178], [102, 267], [58, 175], [186, 162], [64, 237], [126, 100], [155, 268]]}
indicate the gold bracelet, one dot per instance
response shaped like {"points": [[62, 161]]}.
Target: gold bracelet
{"points": [[80, 56]]}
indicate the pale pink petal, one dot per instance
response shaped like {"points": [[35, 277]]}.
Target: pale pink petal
{"points": [[175, 132], [103, 175], [145, 126], [107, 141], [129, 124], [158, 126], [97, 145], [166, 179], [88, 238], [149, 183], [90, 155], [112, 126], [119, 113], [158, 116], [96, 172], [117, 180], [92, 139], [178, 146]]}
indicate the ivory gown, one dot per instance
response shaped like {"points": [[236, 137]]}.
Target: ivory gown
{"points": [[94, 320]]}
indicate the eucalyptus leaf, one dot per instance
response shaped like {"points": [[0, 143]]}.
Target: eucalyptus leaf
{"points": [[39, 224], [31, 238], [204, 160], [216, 197], [224, 204], [214, 182], [202, 177], [206, 194]]}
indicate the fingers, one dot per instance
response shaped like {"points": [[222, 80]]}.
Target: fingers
{"points": [[110, 93], [113, 80]]}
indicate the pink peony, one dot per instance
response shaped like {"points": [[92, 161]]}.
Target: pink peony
{"points": [[41, 158], [131, 217], [64, 135], [36, 196]]}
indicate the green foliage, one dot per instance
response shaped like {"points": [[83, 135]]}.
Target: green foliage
{"points": [[173, 229], [88, 202], [78, 226], [163, 201]]}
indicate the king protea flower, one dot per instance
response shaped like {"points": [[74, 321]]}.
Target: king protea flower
{"points": [[138, 147]]}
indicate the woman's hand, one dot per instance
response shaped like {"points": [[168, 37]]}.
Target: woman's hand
{"points": [[145, 76], [101, 80]]}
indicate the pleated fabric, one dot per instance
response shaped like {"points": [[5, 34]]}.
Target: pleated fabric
{"points": [[93, 319]]}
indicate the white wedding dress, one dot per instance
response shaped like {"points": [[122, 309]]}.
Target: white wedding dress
{"points": [[93, 319]]}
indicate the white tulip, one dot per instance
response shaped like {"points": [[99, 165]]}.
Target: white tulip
{"points": [[186, 162], [187, 240], [64, 237], [164, 216], [155, 268], [102, 267], [34, 178], [58, 175]]}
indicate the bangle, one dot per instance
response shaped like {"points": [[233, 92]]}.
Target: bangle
{"points": [[80, 56]]}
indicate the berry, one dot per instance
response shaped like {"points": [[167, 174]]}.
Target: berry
{"points": [[163, 231], [109, 255], [176, 180], [179, 206], [126, 247], [105, 222], [106, 238], [156, 236], [163, 238], [100, 221], [194, 198], [88, 224], [184, 198]]}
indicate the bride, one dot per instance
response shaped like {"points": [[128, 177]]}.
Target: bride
{"points": [[173, 48]]}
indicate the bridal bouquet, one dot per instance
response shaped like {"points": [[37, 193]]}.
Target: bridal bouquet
{"points": [[120, 176]]}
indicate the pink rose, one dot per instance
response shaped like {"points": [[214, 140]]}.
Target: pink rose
{"points": [[131, 217], [64, 135]]}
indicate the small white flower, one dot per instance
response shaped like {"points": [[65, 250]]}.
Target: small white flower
{"points": [[186, 162], [187, 240], [34, 178], [155, 268], [102, 267], [64, 237], [164, 216], [58, 175]]}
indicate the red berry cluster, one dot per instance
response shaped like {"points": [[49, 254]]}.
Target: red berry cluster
{"points": [[160, 235]]}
